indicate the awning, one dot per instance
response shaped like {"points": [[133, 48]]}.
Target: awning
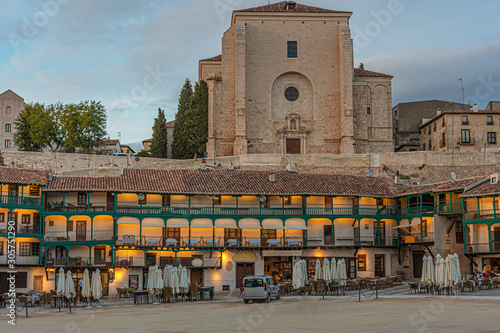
{"points": [[202, 223], [177, 223], [296, 224], [153, 222], [407, 225], [281, 253], [272, 224], [128, 220], [249, 224], [226, 223]]}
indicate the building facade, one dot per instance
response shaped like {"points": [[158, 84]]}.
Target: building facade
{"points": [[124, 224], [406, 118], [11, 105], [467, 131], [285, 84]]}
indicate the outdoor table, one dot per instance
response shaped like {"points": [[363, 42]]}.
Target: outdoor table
{"points": [[232, 242], [139, 296], [191, 242], [294, 241], [58, 299], [273, 242], [254, 242], [338, 288], [211, 242], [171, 242], [210, 289], [32, 299], [153, 242]]}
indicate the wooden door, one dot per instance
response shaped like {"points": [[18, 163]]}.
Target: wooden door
{"points": [[496, 239], [197, 275], [380, 265], [242, 270], [81, 231], [418, 261], [293, 146], [38, 283], [110, 202], [100, 255], [328, 234]]}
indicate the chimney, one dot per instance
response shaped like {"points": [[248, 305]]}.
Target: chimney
{"points": [[290, 167], [475, 108], [439, 112], [272, 178], [203, 165], [396, 178], [231, 166]]}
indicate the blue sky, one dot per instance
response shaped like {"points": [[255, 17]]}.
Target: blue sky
{"points": [[134, 55]]}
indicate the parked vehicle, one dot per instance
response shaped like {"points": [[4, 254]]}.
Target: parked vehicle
{"points": [[119, 154], [260, 287]]}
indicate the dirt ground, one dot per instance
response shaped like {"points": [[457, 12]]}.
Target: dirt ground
{"points": [[289, 314]]}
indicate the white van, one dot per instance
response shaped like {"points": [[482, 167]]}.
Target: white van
{"points": [[260, 287]]}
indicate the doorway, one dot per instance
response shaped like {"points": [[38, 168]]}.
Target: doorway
{"points": [[328, 235], [197, 275], [100, 255], [293, 146], [38, 283], [280, 268], [380, 265], [418, 262], [242, 270], [81, 231], [495, 239], [382, 232]]}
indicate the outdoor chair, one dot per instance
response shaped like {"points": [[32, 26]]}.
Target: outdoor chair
{"points": [[46, 299], [496, 282], [352, 285], [194, 291], [167, 295], [311, 288], [486, 284], [390, 282], [320, 287], [122, 292], [398, 279]]}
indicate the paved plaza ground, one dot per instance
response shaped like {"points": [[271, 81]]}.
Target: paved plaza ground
{"points": [[394, 311]]}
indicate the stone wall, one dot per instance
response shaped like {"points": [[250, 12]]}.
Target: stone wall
{"points": [[421, 166]]}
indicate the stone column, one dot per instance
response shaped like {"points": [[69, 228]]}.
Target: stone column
{"points": [[240, 142]]}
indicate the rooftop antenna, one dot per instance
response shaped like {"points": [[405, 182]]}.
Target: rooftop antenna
{"points": [[119, 136], [463, 90]]}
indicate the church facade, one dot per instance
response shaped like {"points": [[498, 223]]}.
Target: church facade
{"points": [[285, 83]]}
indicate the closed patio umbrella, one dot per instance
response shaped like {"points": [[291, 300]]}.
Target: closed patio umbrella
{"points": [[305, 277], [297, 275], [61, 287], [174, 282], [318, 274], [425, 276], [150, 286], [437, 271], [333, 270], [430, 270], [327, 271], [458, 272], [179, 272], [86, 291], [342, 271], [96, 285], [69, 291], [166, 275], [184, 282]]}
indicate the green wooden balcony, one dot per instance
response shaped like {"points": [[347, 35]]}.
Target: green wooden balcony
{"points": [[449, 208], [20, 201]]}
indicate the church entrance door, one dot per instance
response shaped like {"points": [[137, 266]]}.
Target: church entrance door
{"points": [[293, 146]]}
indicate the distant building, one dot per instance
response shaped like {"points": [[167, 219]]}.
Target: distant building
{"points": [[170, 138], [466, 130], [406, 118], [11, 105], [493, 105], [127, 149], [110, 146]]}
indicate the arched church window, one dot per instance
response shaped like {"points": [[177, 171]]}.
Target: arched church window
{"points": [[293, 124], [291, 94]]}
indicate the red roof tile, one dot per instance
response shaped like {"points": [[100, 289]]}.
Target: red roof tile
{"points": [[281, 7], [216, 58], [358, 72], [23, 176]]}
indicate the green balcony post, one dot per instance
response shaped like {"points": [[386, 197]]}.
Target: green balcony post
{"points": [[284, 232], [115, 229], [451, 205], [489, 236], [189, 233], [359, 232], [165, 234], [494, 209], [92, 228], [67, 229], [463, 233], [478, 210], [140, 232], [357, 208], [463, 208], [175, 258], [67, 256], [213, 233], [1, 193], [140, 206], [64, 201], [260, 233], [213, 205], [378, 212], [307, 231], [333, 232], [378, 232], [113, 256], [90, 256], [88, 201], [189, 205]]}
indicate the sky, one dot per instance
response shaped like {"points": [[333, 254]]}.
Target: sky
{"points": [[134, 56]]}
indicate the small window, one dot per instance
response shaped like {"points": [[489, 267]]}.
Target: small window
{"points": [[368, 111], [217, 200], [70, 225], [434, 127], [82, 198], [7, 144], [489, 120], [25, 219], [429, 131], [8, 127], [465, 120], [292, 49], [465, 137], [492, 137], [430, 145], [443, 139], [459, 232], [395, 113], [29, 249], [51, 223], [442, 124]]}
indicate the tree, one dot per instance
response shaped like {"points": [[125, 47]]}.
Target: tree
{"points": [[180, 143], [143, 153], [159, 143], [199, 107], [25, 127], [362, 66]]}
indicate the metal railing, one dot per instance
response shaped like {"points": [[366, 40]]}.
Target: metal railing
{"points": [[131, 261], [20, 201], [427, 209], [416, 237], [449, 208], [28, 229], [57, 206], [3, 260], [72, 236], [27, 260]]}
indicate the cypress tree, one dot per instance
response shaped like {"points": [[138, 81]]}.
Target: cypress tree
{"points": [[199, 107], [182, 122], [159, 142]]}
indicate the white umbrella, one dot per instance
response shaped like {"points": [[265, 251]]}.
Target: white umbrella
{"points": [[326, 271], [297, 275], [305, 277], [69, 286], [61, 288], [96, 285], [166, 275], [425, 270], [430, 270], [179, 272], [86, 284], [342, 271], [437, 271], [174, 281], [150, 286], [158, 280], [333, 270], [318, 272], [184, 282], [458, 273]]}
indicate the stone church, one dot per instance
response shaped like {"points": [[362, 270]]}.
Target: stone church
{"points": [[285, 83]]}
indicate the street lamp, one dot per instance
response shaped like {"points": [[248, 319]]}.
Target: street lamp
{"points": [[354, 147], [90, 142]]}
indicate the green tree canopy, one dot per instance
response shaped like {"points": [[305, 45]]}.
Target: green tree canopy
{"points": [[159, 143], [180, 143], [199, 106]]}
